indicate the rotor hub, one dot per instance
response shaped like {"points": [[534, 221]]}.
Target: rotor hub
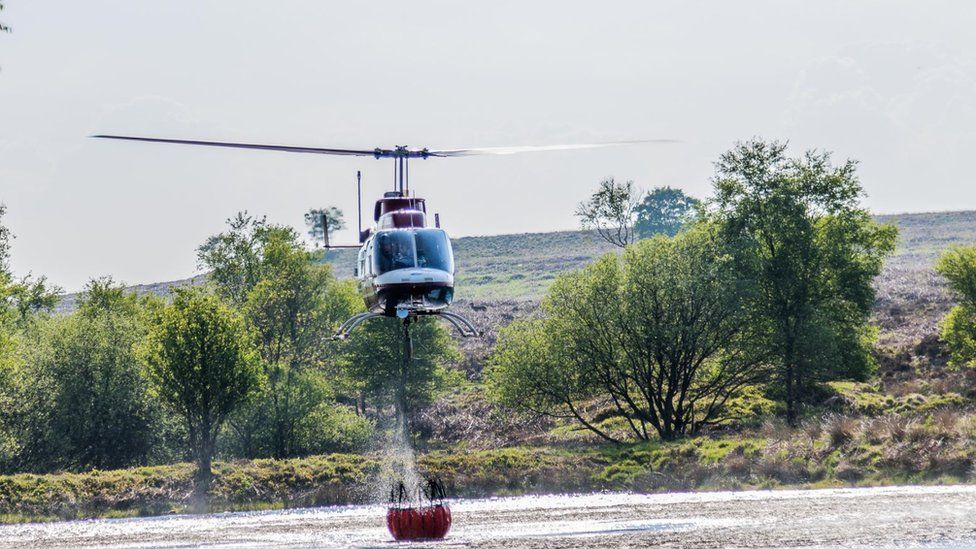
{"points": [[401, 151]]}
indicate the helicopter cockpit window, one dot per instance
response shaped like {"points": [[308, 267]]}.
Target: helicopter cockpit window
{"points": [[434, 250], [393, 250]]}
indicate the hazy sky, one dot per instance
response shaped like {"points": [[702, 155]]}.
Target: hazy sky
{"points": [[890, 83]]}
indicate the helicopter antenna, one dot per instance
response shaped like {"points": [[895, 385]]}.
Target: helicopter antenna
{"points": [[359, 204]]}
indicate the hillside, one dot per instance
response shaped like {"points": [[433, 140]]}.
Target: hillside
{"points": [[911, 297], [521, 266], [509, 273], [503, 276], [511, 266]]}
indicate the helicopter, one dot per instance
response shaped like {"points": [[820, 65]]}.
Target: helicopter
{"points": [[404, 268]]}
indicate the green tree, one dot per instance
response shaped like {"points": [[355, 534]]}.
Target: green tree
{"points": [[23, 303], [233, 258], [85, 399], [657, 336], [20, 299], [293, 306], [293, 312], [334, 222], [611, 212], [958, 330], [664, 210], [201, 361], [375, 369], [800, 236]]}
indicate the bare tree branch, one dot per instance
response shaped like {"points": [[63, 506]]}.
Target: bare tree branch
{"points": [[611, 212]]}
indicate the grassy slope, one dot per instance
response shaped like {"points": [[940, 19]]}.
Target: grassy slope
{"points": [[924, 235], [911, 298], [521, 266], [512, 266]]}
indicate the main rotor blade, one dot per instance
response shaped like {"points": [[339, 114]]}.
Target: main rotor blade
{"points": [[530, 148], [398, 152], [285, 148]]}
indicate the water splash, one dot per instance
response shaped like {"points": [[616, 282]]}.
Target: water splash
{"points": [[400, 461]]}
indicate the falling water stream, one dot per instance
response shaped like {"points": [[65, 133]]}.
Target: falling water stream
{"points": [[400, 461], [399, 464]]}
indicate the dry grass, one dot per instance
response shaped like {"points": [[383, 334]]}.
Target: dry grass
{"points": [[841, 429], [468, 420]]}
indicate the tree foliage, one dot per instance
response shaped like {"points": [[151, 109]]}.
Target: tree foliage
{"points": [[958, 329], [74, 392], [24, 303], [201, 361], [610, 211], [799, 235], [20, 298], [664, 210], [84, 402], [655, 336], [374, 363], [292, 306], [334, 221], [958, 267], [293, 312], [233, 259]]}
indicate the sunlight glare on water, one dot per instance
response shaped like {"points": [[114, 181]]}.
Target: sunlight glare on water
{"points": [[924, 517]]}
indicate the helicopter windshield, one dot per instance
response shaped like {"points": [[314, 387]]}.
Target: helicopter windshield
{"points": [[425, 248], [434, 250], [394, 250]]}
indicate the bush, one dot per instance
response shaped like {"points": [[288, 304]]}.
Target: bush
{"points": [[840, 429], [849, 472], [336, 428]]}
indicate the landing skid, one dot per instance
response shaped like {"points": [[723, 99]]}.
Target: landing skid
{"points": [[465, 327], [351, 324]]}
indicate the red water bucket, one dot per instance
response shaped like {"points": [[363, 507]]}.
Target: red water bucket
{"points": [[417, 523]]}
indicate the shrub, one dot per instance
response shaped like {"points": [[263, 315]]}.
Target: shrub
{"points": [[849, 472], [337, 428], [840, 429]]}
